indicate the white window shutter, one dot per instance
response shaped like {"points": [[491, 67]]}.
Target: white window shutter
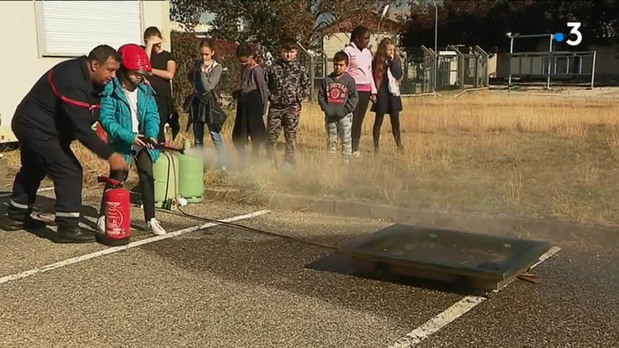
{"points": [[73, 28]]}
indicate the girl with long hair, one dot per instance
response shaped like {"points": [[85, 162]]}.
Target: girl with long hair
{"points": [[387, 71], [205, 109]]}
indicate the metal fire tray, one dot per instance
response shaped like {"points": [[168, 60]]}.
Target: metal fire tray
{"points": [[479, 261]]}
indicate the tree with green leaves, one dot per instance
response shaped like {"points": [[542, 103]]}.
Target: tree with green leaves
{"points": [[266, 21]]}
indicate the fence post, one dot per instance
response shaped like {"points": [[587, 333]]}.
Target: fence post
{"points": [[549, 61], [461, 61], [486, 63], [593, 68], [312, 74]]}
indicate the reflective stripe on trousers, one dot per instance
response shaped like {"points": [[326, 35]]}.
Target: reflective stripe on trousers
{"points": [[68, 214]]}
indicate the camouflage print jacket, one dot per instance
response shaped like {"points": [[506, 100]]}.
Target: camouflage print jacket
{"points": [[288, 83]]}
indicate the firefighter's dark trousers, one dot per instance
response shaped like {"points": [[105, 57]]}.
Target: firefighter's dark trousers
{"points": [[41, 156]]}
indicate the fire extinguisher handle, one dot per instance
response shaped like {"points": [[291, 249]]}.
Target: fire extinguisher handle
{"points": [[104, 179], [162, 147]]}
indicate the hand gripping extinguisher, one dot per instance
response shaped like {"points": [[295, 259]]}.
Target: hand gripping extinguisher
{"points": [[117, 214]]}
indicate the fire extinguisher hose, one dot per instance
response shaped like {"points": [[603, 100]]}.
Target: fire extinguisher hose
{"points": [[231, 224]]}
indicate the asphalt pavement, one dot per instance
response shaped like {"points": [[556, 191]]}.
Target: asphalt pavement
{"points": [[228, 287]]}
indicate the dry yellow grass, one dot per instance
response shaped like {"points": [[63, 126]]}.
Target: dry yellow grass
{"points": [[545, 156], [485, 152]]}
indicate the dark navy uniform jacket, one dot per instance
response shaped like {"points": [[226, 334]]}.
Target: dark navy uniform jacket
{"points": [[63, 104]]}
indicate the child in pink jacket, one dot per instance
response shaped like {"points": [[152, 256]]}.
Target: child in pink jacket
{"points": [[360, 69]]}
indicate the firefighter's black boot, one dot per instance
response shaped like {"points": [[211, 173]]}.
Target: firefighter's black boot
{"points": [[28, 224], [74, 235]]}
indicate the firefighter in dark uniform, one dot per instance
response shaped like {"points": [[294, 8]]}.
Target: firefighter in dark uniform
{"points": [[62, 106]]}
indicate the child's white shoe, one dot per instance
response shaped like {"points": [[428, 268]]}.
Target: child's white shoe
{"points": [[156, 227], [101, 224]]}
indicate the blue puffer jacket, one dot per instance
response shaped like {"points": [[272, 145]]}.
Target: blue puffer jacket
{"points": [[116, 119]]}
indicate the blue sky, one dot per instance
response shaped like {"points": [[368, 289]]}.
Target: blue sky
{"points": [[206, 17]]}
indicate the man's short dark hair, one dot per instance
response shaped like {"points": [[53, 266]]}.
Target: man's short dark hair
{"points": [[245, 50], [288, 43], [152, 31], [340, 57], [102, 53]]}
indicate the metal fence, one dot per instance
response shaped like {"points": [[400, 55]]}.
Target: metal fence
{"points": [[572, 66], [564, 66], [456, 69]]}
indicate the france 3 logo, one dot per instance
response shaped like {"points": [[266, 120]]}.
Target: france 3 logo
{"points": [[559, 37]]}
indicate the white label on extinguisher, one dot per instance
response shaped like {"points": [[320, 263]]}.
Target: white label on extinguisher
{"points": [[114, 219]]}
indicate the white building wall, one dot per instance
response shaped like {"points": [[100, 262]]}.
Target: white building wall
{"points": [[21, 62]]}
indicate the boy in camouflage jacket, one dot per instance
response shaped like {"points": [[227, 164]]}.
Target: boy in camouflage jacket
{"points": [[289, 85]]}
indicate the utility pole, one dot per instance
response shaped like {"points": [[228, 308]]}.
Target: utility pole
{"points": [[436, 53]]}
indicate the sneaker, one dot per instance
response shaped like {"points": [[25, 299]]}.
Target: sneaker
{"points": [[356, 154], [156, 227], [101, 224]]}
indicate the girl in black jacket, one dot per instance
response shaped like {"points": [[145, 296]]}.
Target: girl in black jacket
{"points": [[387, 70]]}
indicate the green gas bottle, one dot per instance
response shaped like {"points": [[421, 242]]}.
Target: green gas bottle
{"points": [[191, 174], [165, 171]]}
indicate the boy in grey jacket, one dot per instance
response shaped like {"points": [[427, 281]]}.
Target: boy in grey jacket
{"points": [[338, 98]]}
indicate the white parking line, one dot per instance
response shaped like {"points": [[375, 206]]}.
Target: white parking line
{"points": [[452, 313], [112, 250]]}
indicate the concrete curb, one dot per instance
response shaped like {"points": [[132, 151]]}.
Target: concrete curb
{"points": [[474, 222]]}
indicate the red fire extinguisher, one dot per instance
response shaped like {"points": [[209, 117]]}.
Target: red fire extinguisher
{"points": [[117, 214], [101, 132]]}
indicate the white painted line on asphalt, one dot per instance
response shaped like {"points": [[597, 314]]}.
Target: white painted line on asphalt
{"points": [[8, 194], [112, 250], [452, 313]]}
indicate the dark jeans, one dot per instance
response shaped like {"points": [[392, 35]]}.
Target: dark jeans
{"points": [[164, 105], [249, 123], [394, 117], [218, 141], [144, 165], [357, 119]]}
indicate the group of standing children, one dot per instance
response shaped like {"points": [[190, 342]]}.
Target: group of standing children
{"points": [[134, 113], [284, 85], [358, 78]]}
